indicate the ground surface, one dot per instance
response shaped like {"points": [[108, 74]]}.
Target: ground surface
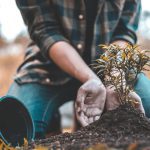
{"points": [[123, 128]]}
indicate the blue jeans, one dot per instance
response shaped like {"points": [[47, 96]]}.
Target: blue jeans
{"points": [[43, 101], [142, 88]]}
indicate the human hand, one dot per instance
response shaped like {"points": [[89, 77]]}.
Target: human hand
{"points": [[136, 101], [90, 101], [112, 100]]}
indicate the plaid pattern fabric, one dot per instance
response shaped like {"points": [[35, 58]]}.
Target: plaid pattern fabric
{"points": [[50, 21]]}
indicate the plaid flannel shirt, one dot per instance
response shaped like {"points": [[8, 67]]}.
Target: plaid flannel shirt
{"points": [[50, 21]]}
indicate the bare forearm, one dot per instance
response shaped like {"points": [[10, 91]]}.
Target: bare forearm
{"points": [[67, 58]]}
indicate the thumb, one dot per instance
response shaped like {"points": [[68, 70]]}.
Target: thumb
{"points": [[137, 102]]}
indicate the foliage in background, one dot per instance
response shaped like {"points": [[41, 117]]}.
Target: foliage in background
{"points": [[119, 68]]}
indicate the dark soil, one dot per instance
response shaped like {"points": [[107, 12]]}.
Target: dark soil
{"points": [[123, 128]]}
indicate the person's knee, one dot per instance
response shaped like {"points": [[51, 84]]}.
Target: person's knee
{"points": [[142, 88]]}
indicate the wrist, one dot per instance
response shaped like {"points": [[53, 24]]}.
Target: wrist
{"points": [[90, 76], [85, 78], [93, 77], [85, 74], [120, 43]]}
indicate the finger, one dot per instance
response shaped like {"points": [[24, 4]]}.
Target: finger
{"points": [[81, 95], [80, 115], [137, 101], [134, 96], [96, 118], [82, 119], [77, 108], [90, 112], [134, 99], [85, 118], [90, 120]]}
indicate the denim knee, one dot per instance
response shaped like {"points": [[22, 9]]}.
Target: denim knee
{"points": [[142, 88]]}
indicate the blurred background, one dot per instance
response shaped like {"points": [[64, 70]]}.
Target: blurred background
{"points": [[14, 39]]}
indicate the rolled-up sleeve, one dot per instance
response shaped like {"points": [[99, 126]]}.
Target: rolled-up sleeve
{"points": [[128, 23], [42, 23]]}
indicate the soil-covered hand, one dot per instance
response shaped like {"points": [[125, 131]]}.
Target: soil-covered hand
{"points": [[112, 100], [137, 102], [90, 101]]}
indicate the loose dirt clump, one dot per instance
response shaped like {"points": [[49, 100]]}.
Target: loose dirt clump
{"points": [[123, 128]]}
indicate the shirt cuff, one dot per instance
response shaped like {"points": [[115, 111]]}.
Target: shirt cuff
{"points": [[126, 38]]}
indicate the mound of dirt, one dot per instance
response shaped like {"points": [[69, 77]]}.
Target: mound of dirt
{"points": [[122, 128]]}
